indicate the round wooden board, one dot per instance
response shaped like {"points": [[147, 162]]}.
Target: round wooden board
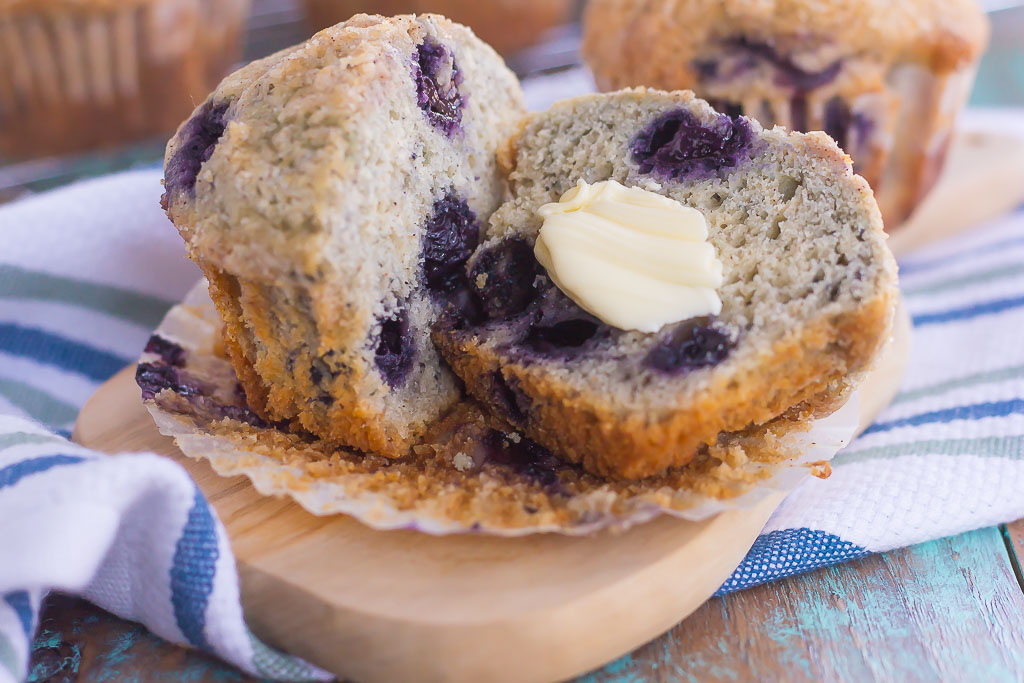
{"points": [[980, 182], [402, 605]]}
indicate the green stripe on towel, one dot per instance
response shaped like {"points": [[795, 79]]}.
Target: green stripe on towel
{"points": [[142, 309], [38, 404], [23, 438], [960, 382], [1011, 447], [965, 280]]}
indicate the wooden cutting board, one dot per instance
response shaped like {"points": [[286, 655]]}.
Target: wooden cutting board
{"points": [[401, 605], [982, 180]]}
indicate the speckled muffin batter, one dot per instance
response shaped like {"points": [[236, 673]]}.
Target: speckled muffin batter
{"points": [[331, 193], [885, 79], [807, 299]]}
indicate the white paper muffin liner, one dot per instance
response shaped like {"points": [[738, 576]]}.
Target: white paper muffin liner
{"points": [[591, 504]]}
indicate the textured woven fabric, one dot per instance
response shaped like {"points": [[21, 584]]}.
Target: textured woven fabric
{"points": [[86, 272]]}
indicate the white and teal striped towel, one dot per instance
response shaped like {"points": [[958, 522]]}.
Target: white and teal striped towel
{"points": [[86, 272]]}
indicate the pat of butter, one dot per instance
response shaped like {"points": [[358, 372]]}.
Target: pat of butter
{"points": [[633, 258]]}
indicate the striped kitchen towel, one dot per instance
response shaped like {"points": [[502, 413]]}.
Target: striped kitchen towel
{"points": [[87, 271]]}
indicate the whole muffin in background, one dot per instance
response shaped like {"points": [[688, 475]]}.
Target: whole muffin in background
{"points": [[506, 25], [81, 74], [885, 79], [331, 194]]}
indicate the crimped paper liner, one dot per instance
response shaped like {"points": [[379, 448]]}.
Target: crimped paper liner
{"points": [[902, 151], [194, 325]]}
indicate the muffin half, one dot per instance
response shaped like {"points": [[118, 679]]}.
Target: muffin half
{"points": [[330, 193]]}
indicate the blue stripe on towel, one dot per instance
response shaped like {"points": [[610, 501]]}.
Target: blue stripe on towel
{"points": [[971, 412], [22, 606], [786, 552], [967, 312], [51, 349], [12, 474], [192, 571]]}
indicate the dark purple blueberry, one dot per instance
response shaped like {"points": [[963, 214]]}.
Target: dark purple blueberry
{"points": [[508, 399], [567, 334], [449, 237], [838, 120], [526, 458], [706, 68], [153, 378], [395, 350], [198, 138], [676, 145], [689, 347], [507, 271], [461, 308], [862, 125], [437, 80], [169, 352], [237, 413], [789, 74], [730, 109]]}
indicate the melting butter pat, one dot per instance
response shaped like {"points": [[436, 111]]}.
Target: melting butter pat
{"points": [[631, 257]]}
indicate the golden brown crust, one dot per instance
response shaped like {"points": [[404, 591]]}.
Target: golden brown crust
{"points": [[660, 38], [804, 369], [266, 379], [456, 473]]}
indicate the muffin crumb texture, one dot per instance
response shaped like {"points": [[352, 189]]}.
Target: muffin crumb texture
{"points": [[807, 298], [470, 470]]}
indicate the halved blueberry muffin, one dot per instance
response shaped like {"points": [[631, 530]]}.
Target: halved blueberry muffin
{"points": [[331, 193], [807, 286], [885, 79]]}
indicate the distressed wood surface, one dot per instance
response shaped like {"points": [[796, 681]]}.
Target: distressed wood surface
{"points": [[948, 610], [951, 609], [1013, 536], [79, 642]]}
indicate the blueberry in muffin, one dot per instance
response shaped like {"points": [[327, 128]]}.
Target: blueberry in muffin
{"points": [[792, 291]]}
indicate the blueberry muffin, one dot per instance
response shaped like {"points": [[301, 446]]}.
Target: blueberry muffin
{"points": [[884, 79], [79, 74], [807, 286], [331, 193], [506, 25]]}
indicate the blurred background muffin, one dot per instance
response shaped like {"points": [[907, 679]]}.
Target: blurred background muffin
{"points": [[885, 79], [508, 25], [81, 74]]}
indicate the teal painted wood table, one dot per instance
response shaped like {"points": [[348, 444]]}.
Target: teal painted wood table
{"points": [[948, 610]]}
